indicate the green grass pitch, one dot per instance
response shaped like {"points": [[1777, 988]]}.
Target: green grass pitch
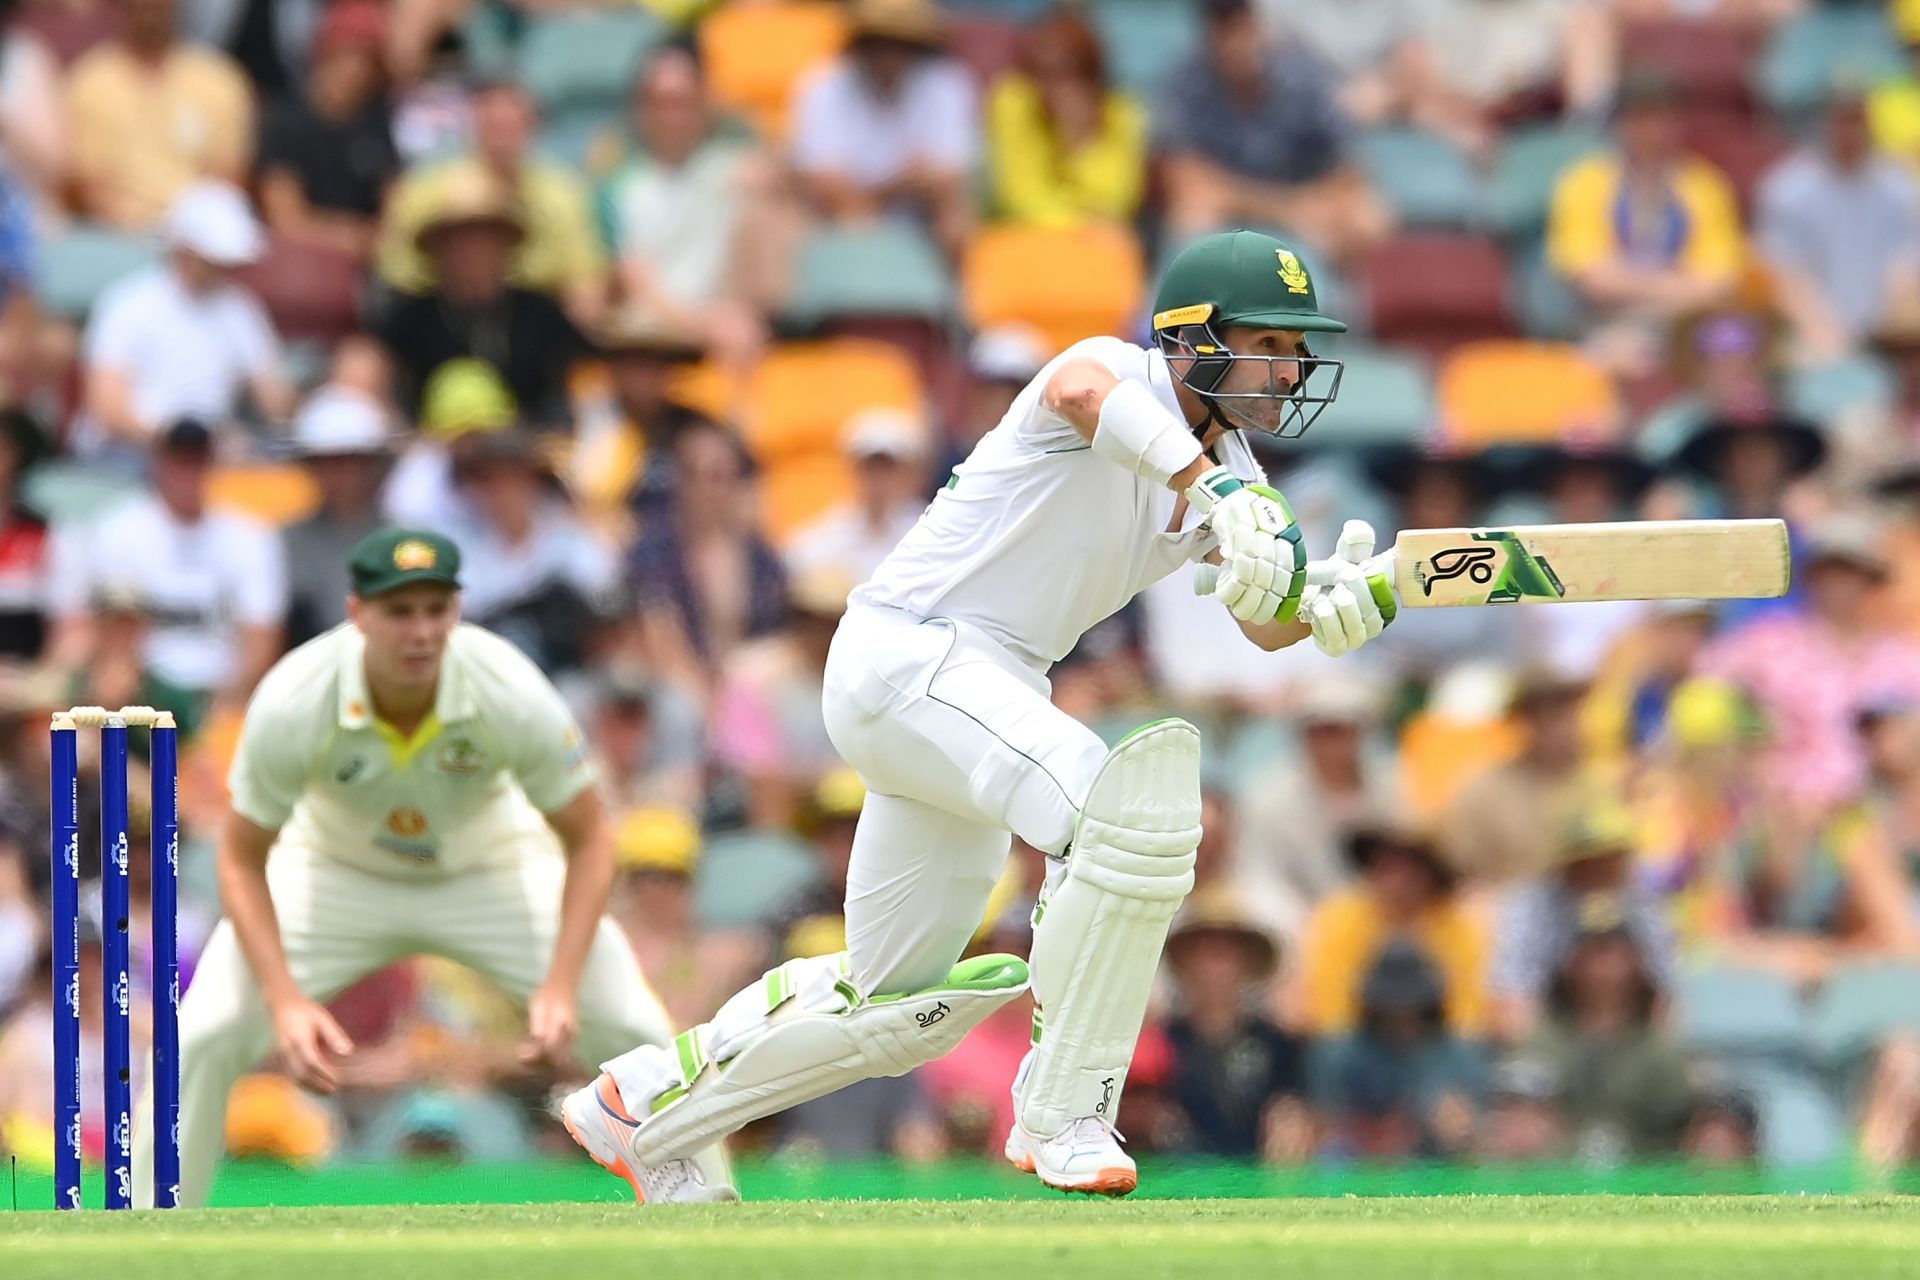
{"points": [[1634, 1238]]}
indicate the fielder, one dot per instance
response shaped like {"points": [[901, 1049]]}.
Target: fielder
{"points": [[1115, 467], [404, 784]]}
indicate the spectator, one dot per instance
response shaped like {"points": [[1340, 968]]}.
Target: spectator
{"points": [[890, 126], [1626, 1084], [1644, 232], [647, 743], [1523, 1122], [1628, 706], [1507, 822], [25, 571], [181, 338], [326, 159], [704, 578], [686, 216], [1066, 147], [623, 461], [19, 283], [214, 581], [1540, 920], [533, 573], [1403, 891], [1723, 1129], [343, 440], [556, 252], [1493, 62], [1839, 223], [119, 670], [1400, 1085], [1893, 108], [462, 401], [653, 905], [1238, 1082], [888, 450], [1376, 50], [1000, 363], [1890, 733], [1254, 136], [151, 115], [33, 126], [1302, 812], [1816, 759], [470, 234]]}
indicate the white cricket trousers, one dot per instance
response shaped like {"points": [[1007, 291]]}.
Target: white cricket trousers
{"points": [[339, 924], [958, 745]]}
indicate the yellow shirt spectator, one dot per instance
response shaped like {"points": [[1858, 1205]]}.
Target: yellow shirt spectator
{"points": [[1038, 179], [1696, 227], [142, 129], [561, 253], [1347, 932]]}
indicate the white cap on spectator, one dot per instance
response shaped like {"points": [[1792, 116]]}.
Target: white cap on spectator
{"points": [[340, 420], [885, 433], [1008, 353], [212, 220]]}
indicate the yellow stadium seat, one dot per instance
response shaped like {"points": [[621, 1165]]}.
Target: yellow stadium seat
{"points": [[1512, 392], [1439, 754], [756, 54], [1067, 283], [797, 405], [278, 494]]}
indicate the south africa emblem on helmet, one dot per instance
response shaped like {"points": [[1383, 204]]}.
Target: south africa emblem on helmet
{"points": [[1292, 273], [415, 554]]}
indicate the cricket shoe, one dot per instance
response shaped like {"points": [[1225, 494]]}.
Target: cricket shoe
{"points": [[598, 1120], [1085, 1156]]}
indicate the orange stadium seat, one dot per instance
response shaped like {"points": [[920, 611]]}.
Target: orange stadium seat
{"points": [[1440, 754], [274, 493], [1068, 284], [1506, 392], [797, 404], [756, 54]]}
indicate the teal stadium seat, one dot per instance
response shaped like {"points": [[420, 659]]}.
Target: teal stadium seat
{"points": [[77, 267], [1386, 397], [586, 59], [1013, 10], [1801, 1123], [1530, 162], [1740, 1013], [569, 137], [1805, 53], [1860, 1006], [1145, 40], [1853, 383], [1428, 181], [743, 877], [888, 270], [1545, 303]]}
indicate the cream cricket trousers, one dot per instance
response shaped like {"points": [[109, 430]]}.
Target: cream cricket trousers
{"points": [[339, 924]]}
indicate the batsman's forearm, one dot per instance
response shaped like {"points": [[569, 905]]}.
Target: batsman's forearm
{"points": [[249, 907], [583, 900]]}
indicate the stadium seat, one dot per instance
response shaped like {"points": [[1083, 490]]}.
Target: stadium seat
{"points": [[1067, 283], [1546, 305], [1800, 1121], [1010, 10], [988, 45], [272, 493], [68, 31], [1804, 53], [77, 267], [743, 877], [889, 270], [580, 137], [585, 57], [311, 291], [1743, 149], [1708, 60], [797, 403], [1428, 181], [1821, 393], [1386, 397], [1506, 392], [1435, 292], [487, 39], [756, 55], [74, 493], [1739, 1013], [1531, 160], [1859, 1006], [1440, 753], [1144, 40]]}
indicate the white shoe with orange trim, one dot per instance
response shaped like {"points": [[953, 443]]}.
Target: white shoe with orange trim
{"points": [[1085, 1156], [598, 1120]]}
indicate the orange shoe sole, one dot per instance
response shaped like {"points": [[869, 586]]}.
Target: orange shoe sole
{"points": [[1108, 1182], [618, 1168]]}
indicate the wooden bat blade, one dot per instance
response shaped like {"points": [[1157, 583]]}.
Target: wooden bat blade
{"points": [[1567, 563]]}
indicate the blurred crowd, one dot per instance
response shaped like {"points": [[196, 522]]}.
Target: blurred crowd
{"points": [[1601, 883]]}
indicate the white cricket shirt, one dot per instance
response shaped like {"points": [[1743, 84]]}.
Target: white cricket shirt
{"points": [[468, 790], [1037, 538]]}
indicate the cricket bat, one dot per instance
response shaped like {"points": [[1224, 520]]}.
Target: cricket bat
{"points": [[1566, 563]]}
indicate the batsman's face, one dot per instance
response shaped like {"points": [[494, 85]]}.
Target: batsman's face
{"points": [[406, 631], [1267, 380]]}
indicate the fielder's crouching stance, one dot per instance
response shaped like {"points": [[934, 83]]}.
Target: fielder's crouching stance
{"points": [[1115, 467]]}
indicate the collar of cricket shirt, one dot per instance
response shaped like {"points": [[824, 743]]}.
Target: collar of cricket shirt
{"points": [[452, 702]]}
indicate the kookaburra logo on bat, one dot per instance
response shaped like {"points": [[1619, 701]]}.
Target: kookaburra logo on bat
{"points": [[1475, 562]]}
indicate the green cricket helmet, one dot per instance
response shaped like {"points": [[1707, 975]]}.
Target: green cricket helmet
{"points": [[1248, 279]]}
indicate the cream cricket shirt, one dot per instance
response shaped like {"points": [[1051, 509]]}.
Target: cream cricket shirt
{"points": [[499, 750]]}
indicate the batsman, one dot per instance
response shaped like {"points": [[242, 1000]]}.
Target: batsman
{"points": [[405, 784], [1115, 467]]}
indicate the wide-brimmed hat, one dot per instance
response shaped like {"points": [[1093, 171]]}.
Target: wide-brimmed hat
{"points": [[1395, 467], [914, 22], [471, 197], [639, 332], [1700, 452], [1536, 466], [1849, 539], [1372, 841], [1215, 912], [1602, 828]]}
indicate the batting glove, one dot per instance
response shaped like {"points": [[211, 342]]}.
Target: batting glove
{"points": [[1262, 569], [1349, 598]]}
